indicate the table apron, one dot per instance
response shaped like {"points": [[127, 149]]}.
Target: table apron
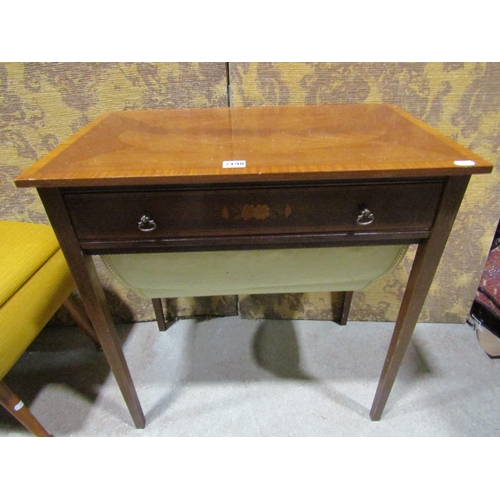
{"points": [[253, 217]]}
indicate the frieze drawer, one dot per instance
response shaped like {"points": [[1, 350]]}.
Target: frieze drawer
{"points": [[191, 212]]}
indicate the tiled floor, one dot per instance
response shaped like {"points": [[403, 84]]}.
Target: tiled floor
{"points": [[235, 377]]}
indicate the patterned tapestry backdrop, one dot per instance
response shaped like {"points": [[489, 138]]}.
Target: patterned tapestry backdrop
{"points": [[41, 104]]}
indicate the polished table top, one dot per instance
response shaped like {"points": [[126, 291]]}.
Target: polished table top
{"points": [[349, 141]]}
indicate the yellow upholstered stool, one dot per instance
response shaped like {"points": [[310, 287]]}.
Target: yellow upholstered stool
{"points": [[35, 282]]}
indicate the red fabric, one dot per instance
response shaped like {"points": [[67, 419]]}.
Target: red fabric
{"points": [[488, 294]]}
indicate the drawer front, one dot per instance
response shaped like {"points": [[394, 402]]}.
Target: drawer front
{"points": [[253, 211]]}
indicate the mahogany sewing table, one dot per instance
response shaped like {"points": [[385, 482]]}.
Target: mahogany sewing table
{"points": [[361, 174]]}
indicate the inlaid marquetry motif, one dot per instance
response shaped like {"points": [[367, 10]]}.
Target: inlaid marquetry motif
{"points": [[257, 212]]}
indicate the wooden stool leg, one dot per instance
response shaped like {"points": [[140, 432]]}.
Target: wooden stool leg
{"points": [[80, 318], [346, 306], [160, 316], [20, 412]]}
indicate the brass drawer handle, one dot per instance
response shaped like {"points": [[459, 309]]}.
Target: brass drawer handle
{"points": [[146, 224], [365, 217]]}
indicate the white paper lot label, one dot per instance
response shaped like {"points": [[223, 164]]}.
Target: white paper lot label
{"points": [[464, 163], [234, 164]]}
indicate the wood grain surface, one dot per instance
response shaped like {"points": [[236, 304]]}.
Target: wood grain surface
{"points": [[306, 142]]}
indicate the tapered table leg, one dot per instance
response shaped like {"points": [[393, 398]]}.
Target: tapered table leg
{"points": [[346, 306], [424, 267], [159, 314], [87, 281]]}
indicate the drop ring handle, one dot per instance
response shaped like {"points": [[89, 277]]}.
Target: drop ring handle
{"points": [[146, 224], [365, 217]]}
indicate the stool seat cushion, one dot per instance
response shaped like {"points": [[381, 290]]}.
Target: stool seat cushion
{"points": [[23, 316], [24, 248]]}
